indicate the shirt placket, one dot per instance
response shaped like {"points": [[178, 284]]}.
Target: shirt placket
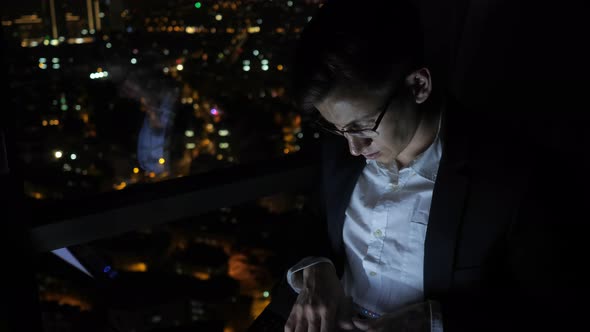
{"points": [[378, 223]]}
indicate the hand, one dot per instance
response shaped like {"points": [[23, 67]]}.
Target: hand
{"points": [[321, 305], [413, 318]]}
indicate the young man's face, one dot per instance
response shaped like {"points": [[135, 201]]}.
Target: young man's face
{"points": [[359, 109]]}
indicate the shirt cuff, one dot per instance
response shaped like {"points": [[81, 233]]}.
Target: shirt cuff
{"points": [[295, 274], [436, 322]]}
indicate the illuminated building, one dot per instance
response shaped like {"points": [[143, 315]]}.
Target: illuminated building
{"points": [[90, 12], [97, 15], [53, 17]]}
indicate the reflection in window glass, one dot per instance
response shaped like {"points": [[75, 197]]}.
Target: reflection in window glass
{"points": [[111, 93], [213, 272]]}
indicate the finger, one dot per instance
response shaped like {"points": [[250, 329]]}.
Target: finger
{"points": [[361, 324], [346, 323], [314, 324], [301, 326], [290, 324], [346, 326], [313, 319], [294, 318]]}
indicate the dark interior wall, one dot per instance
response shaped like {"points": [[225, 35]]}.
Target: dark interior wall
{"points": [[520, 65]]}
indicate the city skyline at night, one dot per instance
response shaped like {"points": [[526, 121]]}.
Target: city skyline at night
{"points": [[111, 94], [214, 69]]}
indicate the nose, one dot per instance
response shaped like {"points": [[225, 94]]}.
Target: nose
{"points": [[356, 145]]}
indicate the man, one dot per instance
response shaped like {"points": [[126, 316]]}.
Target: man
{"points": [[435, 220]]}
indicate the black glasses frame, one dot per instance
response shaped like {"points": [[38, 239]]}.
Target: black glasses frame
{"points": [[362, 133]]}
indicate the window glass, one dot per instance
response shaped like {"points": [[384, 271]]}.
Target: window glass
{"points": [[111, 93], [213, 271]]}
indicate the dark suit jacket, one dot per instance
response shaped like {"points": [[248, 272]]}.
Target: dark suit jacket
{"points": [[504, 245]]}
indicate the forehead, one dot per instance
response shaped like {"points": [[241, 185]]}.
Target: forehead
{"points": [[342, 107]]}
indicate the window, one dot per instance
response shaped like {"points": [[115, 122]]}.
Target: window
{"points": [[215, 270], [127, 106], [115, 93]]}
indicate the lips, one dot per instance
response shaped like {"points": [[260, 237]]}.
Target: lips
{"points": [[372, 155]]}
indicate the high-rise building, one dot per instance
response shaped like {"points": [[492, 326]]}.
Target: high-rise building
{"points": [[54, 11], [94, 15], [97, 15], [26, 27], [90, 12]]}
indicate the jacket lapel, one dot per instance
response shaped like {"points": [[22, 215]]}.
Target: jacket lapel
{"points": [[448, 203]]}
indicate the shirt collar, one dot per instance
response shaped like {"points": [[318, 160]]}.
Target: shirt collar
{"points": [[426, 164]]}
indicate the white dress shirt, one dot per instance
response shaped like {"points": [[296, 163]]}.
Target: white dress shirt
{"points": [[384, 232]]}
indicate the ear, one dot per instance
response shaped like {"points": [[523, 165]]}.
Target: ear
{"points": [[420, 82]]}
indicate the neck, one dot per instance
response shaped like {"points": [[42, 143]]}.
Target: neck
{"points": [[423, 138]]}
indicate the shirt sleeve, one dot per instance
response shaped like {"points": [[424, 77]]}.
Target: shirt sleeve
{"points": [[295, 273], [436, 322]]}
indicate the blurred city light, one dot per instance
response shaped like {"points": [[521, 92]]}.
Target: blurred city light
{"points": [[99, 75], [254, 29], [120, 186]]}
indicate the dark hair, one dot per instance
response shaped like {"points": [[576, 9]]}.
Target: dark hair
{"points": [[368, 43]]}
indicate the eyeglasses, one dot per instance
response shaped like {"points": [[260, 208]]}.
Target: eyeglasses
{"points": [[359, 133]]}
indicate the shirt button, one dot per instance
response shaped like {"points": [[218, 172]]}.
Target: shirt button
{"points": [[373, 273], [378, 233]]}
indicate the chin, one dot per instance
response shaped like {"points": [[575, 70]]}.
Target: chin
{"points": [[384, 159]]}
